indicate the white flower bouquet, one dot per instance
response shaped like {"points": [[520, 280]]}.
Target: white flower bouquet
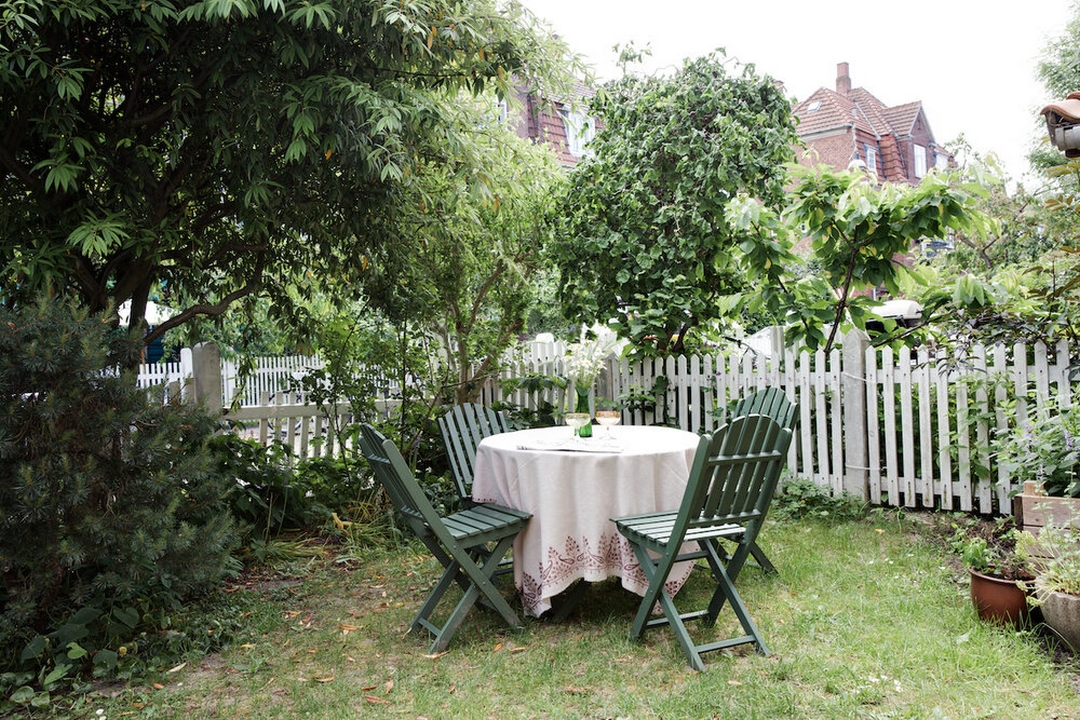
{"points": [[585, 358]]}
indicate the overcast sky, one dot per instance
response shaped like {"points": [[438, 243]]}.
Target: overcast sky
{"points": [[972, 63]]}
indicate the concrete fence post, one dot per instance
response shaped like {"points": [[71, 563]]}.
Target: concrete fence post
{"points": [[856, 457], [206, 373]]}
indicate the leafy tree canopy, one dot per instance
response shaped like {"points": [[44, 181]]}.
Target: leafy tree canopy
{"points": [[646, 242], [217, 148], [858, 233], [473, 275]]}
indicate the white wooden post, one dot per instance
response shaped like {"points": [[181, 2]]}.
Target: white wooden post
{"points": [[856, 467]]}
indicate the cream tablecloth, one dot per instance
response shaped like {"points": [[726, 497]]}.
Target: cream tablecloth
{"points": [[573, 487]]}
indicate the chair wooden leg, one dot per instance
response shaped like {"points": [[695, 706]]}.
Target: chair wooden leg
{"points": [[658, 594], [725, 591], [652, 593], [763, 560], [476, 579], [451, 574], [444, 634]]}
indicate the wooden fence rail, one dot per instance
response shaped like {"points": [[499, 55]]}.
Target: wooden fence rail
{"points": [[902, 429]]}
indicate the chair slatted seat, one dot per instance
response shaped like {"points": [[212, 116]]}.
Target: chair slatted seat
{"points": [[774, 403], [463, 427], [469, 544], [727, 495]]}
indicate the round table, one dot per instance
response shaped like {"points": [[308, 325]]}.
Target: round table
{"points": [[573, 487]]}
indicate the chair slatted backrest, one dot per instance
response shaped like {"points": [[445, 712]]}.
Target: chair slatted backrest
{"points": [[394, 475], [463, 427], [771, 402], [734, 475]]}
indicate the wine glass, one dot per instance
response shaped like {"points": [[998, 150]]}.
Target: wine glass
{"points": [[607, 418], [576, 420]]}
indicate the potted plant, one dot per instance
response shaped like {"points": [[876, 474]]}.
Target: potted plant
{"points": [[1053, 555], [1044, 457], [1000, 579]]}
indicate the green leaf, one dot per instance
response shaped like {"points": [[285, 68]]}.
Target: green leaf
{"points": [[22, 695], [106, 659], [129, 617], [33, 649], [57, 673]]}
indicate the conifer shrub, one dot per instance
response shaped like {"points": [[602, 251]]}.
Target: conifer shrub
{"points": [[111, 513]]}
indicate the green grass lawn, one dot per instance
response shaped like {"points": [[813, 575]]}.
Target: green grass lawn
{"points": [[865, 619]]}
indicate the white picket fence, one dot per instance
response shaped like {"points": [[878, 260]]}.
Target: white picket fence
{"points": [[273, 376], [904, 429], [165, 373]]}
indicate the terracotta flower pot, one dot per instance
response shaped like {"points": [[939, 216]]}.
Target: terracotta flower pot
{"points": [[998, 600], [1061, 611]]}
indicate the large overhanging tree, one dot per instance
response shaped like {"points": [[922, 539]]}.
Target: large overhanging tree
{"points": [[647, 243], [217, 148]]}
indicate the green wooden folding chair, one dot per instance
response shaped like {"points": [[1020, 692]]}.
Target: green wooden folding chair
{"points": [[463, 427], [771, 402], [727, 495], [469, 544]]}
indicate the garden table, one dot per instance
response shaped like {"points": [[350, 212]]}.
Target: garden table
{"points": [[573, 487]]}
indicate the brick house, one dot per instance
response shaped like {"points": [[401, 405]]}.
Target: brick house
{"points": [[563, 125], [850, 127]]}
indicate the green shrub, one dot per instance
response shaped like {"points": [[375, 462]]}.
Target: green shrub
{"points": [[264, 494], [798, 498], [111, 514], [1047, 451]]}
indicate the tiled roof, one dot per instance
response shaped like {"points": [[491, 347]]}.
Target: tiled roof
{"points": [[826, 110], [859, 109], [902, 117], [838, 127]]}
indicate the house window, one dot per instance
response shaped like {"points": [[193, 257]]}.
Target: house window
{"points": [[920, 161], [871, 158], [579, 131], [502, 110], [941, 161]]}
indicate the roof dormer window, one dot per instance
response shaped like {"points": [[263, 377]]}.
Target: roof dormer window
{"points": [[920, 161], [580, 129]]}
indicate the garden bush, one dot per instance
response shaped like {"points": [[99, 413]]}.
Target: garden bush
{"points": [[111, 513]]}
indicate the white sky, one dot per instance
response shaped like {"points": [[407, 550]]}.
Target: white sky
{"points": [[972, 63]]}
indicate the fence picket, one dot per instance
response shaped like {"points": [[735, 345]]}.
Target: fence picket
{"points": [[963, 441], [1063, 369], [940, 382], [921, 386], [836, 426], [907, 426], [878, 490]]}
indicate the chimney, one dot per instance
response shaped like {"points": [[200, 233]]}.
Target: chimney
{"points": [[843, 80]]}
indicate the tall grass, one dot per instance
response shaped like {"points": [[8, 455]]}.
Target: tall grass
{"points": [[865, 619]]}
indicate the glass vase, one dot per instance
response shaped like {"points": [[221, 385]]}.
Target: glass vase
{"points": [[583, 407]]}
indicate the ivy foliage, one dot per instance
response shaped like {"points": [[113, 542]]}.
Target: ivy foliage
{"points": [[111, 512], [219, 148], [646, 240]]}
